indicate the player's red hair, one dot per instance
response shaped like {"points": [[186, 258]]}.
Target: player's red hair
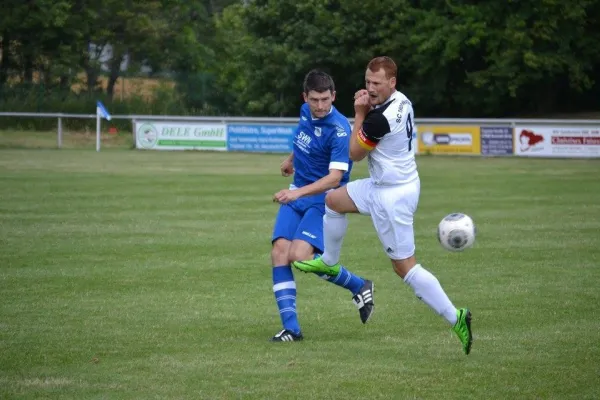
{"points": [[388, 65]]}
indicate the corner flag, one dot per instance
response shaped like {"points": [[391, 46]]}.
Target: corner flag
{"points": [[101, 112]]}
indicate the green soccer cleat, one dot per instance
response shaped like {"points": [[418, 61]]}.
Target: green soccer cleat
{"points": [[462, 328], [317, 266]]}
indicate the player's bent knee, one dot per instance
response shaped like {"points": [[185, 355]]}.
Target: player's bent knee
{"points": [[299, 256], [300, 253], [330, 200], [340, 201], [401, 267], [279, 252]]}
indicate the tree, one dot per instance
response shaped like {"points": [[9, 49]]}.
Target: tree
{"points": [[31, 36], [501, 58], [277, 42], [455, 58]]}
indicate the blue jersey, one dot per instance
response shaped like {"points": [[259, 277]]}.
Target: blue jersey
{"points": [[321, 144]]}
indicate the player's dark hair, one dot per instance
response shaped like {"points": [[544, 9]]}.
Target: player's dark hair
{"points": [[388, 65], [318, 81]]}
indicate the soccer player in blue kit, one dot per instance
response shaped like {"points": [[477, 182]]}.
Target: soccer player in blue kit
{"points": [[319, 162]]}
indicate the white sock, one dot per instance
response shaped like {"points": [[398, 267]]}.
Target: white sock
{"points": [[428, 289], [334, 230]]}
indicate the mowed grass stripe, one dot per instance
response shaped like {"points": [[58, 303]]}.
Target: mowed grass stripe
{"points": [[130, 274]]}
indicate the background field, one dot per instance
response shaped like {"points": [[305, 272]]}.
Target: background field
{"points": [[145, 275], [71, 139]]}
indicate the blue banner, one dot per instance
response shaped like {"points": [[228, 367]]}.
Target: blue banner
{"points": [[496, 141], [260, 138]]}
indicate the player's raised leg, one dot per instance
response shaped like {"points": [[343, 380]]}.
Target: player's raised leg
{"points": [[334, 225], [429, 290], [284, 285], [393, 220], [310, 230]]}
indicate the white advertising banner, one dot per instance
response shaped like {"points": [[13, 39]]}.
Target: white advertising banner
{"points": [[557, 141], [166, 135]]}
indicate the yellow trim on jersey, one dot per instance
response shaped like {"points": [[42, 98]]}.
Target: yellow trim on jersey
{"points": [[364, 142]]}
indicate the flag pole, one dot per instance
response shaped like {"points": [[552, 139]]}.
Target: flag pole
{"points": [[101, 112], [98, 128]]}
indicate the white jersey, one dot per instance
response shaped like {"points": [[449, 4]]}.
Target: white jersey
{"points": [[388, 132]]}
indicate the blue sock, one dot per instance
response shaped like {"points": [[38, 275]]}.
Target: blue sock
{"points": [[284, 288], [346, 279]]}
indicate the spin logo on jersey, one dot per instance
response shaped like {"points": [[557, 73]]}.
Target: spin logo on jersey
{"points": [[303, 142], [304, 138]]}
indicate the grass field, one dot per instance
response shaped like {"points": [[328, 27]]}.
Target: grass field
{"points": [[145, 275], [86, 139]]}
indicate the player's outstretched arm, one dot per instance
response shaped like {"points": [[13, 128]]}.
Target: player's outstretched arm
{"points": [[330, 181]]}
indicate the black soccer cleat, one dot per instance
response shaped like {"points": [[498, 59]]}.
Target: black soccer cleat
{"points": [[363, 300], [287, 336]]}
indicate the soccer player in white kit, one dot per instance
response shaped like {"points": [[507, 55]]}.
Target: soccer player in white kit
{"points": [[383, 132]]}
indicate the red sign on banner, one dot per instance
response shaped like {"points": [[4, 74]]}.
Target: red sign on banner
{"points": [[551, 141]]}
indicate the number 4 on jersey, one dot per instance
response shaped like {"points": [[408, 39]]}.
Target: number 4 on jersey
{"points": [[409, 131]]}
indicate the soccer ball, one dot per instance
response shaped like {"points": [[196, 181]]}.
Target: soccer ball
{"points": [[456, 232]]}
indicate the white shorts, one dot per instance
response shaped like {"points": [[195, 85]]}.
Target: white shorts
{"points": [[392, 209]]}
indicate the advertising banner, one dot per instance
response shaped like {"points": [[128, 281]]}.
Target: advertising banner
{"points": [[496, 141], [260, 138], [449, 139], [166, 135], [555, 141]]}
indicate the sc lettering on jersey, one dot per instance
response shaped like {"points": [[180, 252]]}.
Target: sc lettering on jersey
{"points": [[400, 110]]}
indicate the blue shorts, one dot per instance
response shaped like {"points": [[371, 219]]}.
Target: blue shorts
{"points": [[296, 223]]}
